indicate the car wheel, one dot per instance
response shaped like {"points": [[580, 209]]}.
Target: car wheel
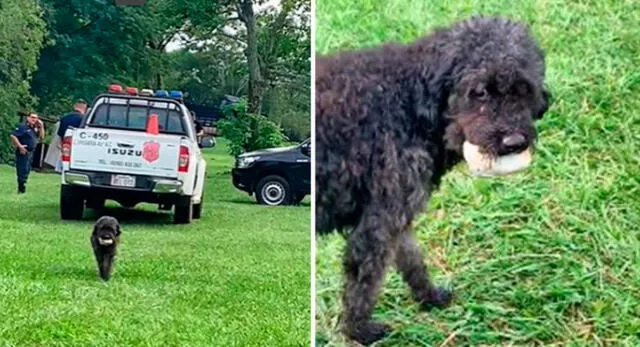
{"points": [[197, 208], [71, 203], [183, 210], [273, 190]]}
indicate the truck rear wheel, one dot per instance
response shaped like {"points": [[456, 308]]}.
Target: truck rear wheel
{"points": [[183, 210], [71, 203], [197, 208], [95, 203]]}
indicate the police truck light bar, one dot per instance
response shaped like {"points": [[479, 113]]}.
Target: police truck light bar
{"points": [[118, 89], [146, 92]]}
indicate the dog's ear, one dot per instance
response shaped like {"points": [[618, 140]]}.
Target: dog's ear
{"points": [[431, 94], [546, 103], [118, 231]]}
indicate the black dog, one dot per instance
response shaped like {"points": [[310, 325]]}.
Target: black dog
{"points": [[104, 240], [391, 121]]}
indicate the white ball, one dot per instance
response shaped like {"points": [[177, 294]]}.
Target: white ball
{"points": [[484, 165], [105, 242]]}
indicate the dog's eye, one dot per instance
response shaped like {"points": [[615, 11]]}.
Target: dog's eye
{"points": [[522, 89], [479, 94]]}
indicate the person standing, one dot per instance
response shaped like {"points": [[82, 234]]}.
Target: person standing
{"points": [[199, 130], [25, 138], [71, 119]]}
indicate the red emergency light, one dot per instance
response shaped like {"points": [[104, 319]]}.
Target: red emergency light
{"points": [[132, 91], [115, 88]]}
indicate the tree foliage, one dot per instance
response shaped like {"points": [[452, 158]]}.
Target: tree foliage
{"points": [[285, 46], [208, 75], [90, 44], [276, 43], [279, 57], [93, 43], [21, 38], [248, 132]]}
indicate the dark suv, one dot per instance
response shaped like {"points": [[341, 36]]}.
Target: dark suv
{"points": [[277, 176]]}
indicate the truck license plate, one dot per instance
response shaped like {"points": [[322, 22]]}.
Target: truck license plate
{"points": [[123, 181]]}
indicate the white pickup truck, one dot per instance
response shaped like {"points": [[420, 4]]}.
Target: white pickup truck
{"points": [[114, 155]]}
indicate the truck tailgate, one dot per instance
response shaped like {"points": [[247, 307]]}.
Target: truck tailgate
{"points": [[127, 152]]}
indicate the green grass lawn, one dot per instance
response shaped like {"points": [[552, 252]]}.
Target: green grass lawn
{"points": [[240, 276], [550, 256]]}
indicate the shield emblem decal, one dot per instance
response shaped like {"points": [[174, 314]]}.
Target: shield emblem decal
{"points": [[151, 151]]}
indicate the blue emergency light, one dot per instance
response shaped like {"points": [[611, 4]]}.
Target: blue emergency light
{"points": [[175, 94], [161, 93]]}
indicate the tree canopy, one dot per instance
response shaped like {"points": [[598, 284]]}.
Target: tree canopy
{"points": [[21, 38]]}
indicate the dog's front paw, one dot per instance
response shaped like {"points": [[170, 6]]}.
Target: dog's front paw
{"points": [[368, 332], [438, 297]]}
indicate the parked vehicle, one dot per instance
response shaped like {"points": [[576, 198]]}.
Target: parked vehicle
{"points": [[133, 147], [207, 141], [277, 176]]}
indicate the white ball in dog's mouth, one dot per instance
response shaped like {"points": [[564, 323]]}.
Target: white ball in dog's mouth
{"points": [[105, 242], [484, 165]]}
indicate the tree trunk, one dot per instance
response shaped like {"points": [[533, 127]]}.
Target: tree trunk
{"points": [[255, 79], [158, 81]]}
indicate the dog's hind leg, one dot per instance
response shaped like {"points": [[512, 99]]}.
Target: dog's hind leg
{"points": [[410, 262], [367, 255]]}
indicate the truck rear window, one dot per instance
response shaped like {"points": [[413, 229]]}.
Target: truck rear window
{"points": [[133, 114]]}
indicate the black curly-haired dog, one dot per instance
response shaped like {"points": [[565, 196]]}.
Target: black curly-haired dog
{"points": [[391, 121], [104, 240]]}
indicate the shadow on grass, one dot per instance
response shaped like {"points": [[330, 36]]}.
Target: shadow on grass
{"points": [[84, 273], [50, 213], [39, 213], [130, 215], [240, 201], [254, 203]]}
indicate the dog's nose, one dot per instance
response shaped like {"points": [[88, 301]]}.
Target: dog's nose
{"points": [[514, 143]]}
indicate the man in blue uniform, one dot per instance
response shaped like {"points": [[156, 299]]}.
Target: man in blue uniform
{"points": [[25, 138], [71, 119]]}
